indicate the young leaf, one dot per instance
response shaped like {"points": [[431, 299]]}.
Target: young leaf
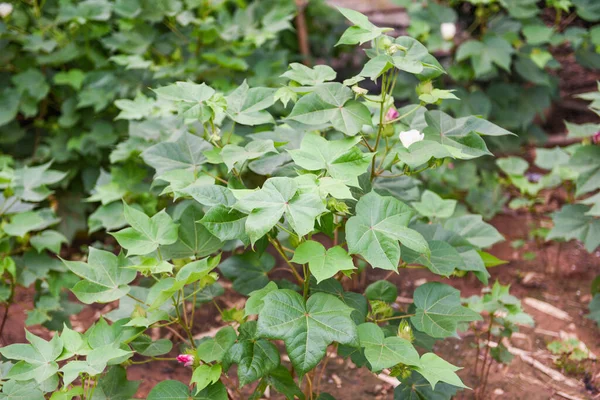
{"points": [[380, 222], [105, 277], [205, 375], [323, 263], [306, 329], [248, 106], [279, 197], [255, 357], [145, 234], [186, 152], [307, 76], [435, 369], [340, 158], [433, 206], [382, 352], [439, 310]]}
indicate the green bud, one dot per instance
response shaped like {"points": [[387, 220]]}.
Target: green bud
{"points": [[424, 88], [405, 330]]}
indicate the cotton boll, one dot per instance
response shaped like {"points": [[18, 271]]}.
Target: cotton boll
{"points": [[409, 137], [448, 30]]}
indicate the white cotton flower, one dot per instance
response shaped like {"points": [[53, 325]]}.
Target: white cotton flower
{"points": [[409, 137], [448, 30], [5, 9]]}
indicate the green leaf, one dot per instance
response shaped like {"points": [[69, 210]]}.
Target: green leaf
{"points": [[248, 106], [17, 390], [145, 234], [235, 156], [433, 206], [362, 32], [332, 103], [306, 329], [186, 153], [594, 307], [23, 223], [255, 300], [215, 348], [588, 10], [571, 222], [323, 263], [248, 271], [586, 161], [194, 239], [281, 379], [382, 352], [73, 77], [279, 197], [225, 223], [442, 258], [114, 385], [169, 390], [105, 278], [380, 222], [435, 369], [416, 387], [9, 104], [48, 239], [255, 357], [475, 230], [205, 375], [513, 165], [439, 310], [382, 291], [340, 158], [30, 183], [309, 76], [190, 99], [484, 55], [37, 359]]}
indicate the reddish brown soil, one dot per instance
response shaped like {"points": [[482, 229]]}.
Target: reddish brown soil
{"points": [[561, 278]]}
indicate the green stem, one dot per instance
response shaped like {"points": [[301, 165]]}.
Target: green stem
{"points": [[306, 280]]}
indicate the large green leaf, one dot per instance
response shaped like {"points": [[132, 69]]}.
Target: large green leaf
{"points": [[235, 156], [279, 197], [145, 234], [105, 277], [433, 206], [382, 352], [255, 357], [586, 161], [571, 222], [248, 271], [484, 55], [248, 106], [190, 99], [332, 103], [186, 152], [439, 310], [214, 349], [323, 263], [435, 369], [194, 239], [309, 76], [475, 230], [416, 387], [306, 328], [380, 222], [37, 360], [30, 183], [340, 158]]}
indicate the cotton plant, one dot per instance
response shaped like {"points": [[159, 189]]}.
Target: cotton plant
{"points": [[330, 187]]}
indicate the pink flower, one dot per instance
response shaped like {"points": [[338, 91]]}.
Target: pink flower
{"points": [[392, 114], [185, 359], [596, 138]]}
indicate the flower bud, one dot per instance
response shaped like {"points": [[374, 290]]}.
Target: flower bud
{"points": [[391, 114], [448, 30], [186, 359], [596, 138], [359, 91]]}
